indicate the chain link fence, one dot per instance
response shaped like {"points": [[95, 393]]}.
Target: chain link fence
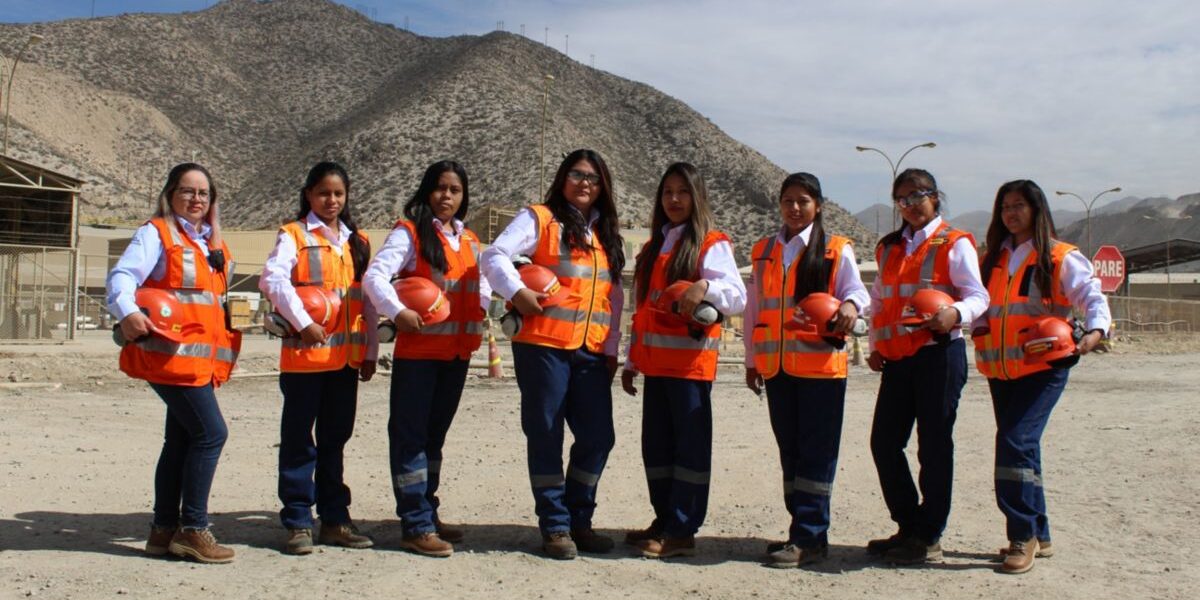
{"points": [[1155, 314], [37, 289]]}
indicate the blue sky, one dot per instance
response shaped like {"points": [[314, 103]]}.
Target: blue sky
{"points": [[1078, 95]]}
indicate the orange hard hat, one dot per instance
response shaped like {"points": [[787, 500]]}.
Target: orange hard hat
{"points": [[1047, 341], [814, 314], [667, 304], [542, 280], [925, 303], [321, 304], [166, 317], [425, 297]]}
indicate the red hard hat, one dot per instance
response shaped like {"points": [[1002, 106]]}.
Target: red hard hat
{"points": [[321, 304], [166, 317], [425, 297], [924, 304], [667, 305], [542, 280], [814, 313], [1047, 340]]}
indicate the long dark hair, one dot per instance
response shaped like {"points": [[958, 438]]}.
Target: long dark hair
{"points": [[164, 197], [812, 270], [418, 211], [360, 248], [685, 257], [923, 180], [575, 225], [1043, 233]]}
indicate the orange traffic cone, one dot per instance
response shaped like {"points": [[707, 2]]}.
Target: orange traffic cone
{"points": [[495, 370]]}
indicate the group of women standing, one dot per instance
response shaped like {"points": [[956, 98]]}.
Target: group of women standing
{"points": [[565, 352]]}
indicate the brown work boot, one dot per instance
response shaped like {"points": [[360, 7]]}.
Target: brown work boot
{"points": [[1044, 550], [1018, 558], [791, 555], [559, 545], [200, 545], [448, 533], [159, 540], [914, 551], [345, 535], [668, 547], [587, 540], [881, 546], [637, 536], [299, 542], [427, 544]]}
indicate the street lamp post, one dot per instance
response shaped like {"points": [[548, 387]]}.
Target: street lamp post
{"points": [[895, 167], [1087, 207], [542, 159], [12, 71]]}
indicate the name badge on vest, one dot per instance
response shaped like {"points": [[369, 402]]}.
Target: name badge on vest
{"points": [[937, 241]]}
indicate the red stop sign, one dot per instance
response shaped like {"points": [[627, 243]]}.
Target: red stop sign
{"points": [[1110, 268]]}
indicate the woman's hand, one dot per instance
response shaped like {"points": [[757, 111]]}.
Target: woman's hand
{"points": [[528, 302], [313, 335], [1086, 344], [366, 370], [408, 321], [943, 320], [754, 381], [843, 322], [875, 361], [135, 325], [692, 298], [627, 378]]}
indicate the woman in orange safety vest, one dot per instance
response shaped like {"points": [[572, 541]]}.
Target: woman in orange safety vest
{"points": [[1030, 277], [430, 360], [803, 371], [679, 356], [184, 349], [320, 366]]}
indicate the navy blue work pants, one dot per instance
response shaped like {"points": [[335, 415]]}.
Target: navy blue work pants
{"points": [[677, 452], [571, 386], [424, 398]]}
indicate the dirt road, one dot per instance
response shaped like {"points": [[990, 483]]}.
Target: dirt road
{"points": [[77, 466]]}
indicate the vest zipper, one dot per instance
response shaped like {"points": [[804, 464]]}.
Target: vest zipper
{"points": [[592, 303]]}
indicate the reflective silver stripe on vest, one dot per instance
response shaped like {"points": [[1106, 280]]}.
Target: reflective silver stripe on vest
{"points": [[315, 275], [194, 350], [993, 354], [679, 342], [187, 297], [769, 304], [794, 346], [655, 473], [407, 479], [452, 285], [337, 339], [475, 327], [540, 481], [443, 328], [226, 355], [159, 345], [601, 318], [189, 268], [354, 293], [1018, 475], [1030, 309], [769, 347], [764, 303], [588, 479], [808, 486]]}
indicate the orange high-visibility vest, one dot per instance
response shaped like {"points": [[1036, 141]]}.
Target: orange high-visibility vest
{"points": [[582, 318], [459, 335], [346, 340], [900, 277], [666, 350], [1017, 303], [799, 354], [204, 355]]}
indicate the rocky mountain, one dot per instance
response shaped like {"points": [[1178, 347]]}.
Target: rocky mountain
{"points": [[1140, 223], [260, 90]]}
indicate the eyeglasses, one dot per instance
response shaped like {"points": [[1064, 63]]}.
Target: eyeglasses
{"points": [[914, 198], [578, 177], [190, 194]]}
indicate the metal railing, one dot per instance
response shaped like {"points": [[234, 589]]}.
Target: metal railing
{"points": [[37, 290]]}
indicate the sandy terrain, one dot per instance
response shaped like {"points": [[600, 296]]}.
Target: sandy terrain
{"points": [[76, 468]]}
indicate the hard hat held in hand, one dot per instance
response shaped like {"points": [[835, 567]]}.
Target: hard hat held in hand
{"points": [[1048, 341], [543, 281], [923, 305], [667, 307], [166, 318], [815, 315], [424, 297], [321, 305]]}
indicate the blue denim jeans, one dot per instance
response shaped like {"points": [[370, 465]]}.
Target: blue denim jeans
{"points": [[194, 435], [677, 451], [1022, 409], [424, 399], [571, 386]]}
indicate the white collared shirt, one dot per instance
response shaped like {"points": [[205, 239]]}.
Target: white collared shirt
{"points": [[521, 238], [964, 276], [144, 259], [726, 291], [276, 280], [397, 255], [847, 285]]}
